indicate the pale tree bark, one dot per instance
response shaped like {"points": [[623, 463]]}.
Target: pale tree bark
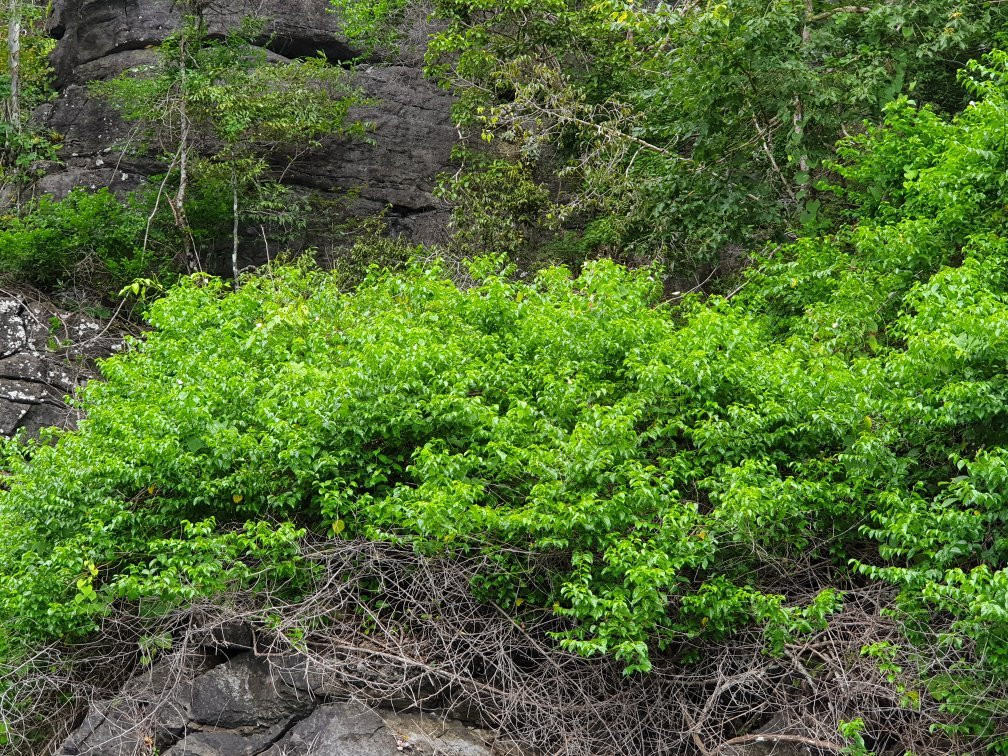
{"points": [[234, 229], [15, 23], [811, 17], [798, 121], [178, 202], [14, 62]]}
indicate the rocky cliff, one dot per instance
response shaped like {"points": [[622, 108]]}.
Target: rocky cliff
{"points": [[46, 353], [413, 134]]}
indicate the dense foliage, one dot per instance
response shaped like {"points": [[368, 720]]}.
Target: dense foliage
{"points": [[685, 132], [682, 468], [652, 472], [24, 85], [86, 236]]}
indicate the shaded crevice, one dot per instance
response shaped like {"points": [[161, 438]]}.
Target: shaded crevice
{"points": [[292, 46], [403, 211], [284, 732], [35, 382]]}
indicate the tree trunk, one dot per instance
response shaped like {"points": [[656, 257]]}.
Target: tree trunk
{"points": [[14, 62], [234, 228], [178, 203], [798, 121]]}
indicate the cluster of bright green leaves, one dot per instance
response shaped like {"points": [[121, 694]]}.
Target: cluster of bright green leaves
{"points": [[546, 417], [85, 236], [915, 297], [673, 467]]}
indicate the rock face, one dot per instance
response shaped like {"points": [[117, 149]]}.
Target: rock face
{"points": [[243, 707], [94, 29], [44, 356], [411, 142]]}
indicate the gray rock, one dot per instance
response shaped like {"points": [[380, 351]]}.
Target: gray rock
{"points": [[93, 29], [165, 692], [13, 336], [429, 735], [34, 379], [412, 142], [59, 184], [98, 147], [110, 729], [769, 747], [152, 711], [765, 743], [228, 742], [199, 705], [244, 693], [226, 638], [338, 730], [372, 680]]}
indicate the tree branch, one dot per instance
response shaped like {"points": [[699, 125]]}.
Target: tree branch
{"points": [[834, 11], [823, 745]]}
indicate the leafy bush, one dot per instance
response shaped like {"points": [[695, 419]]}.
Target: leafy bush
{"points": [[683, 472], [86, 235], [691, 130], [532, 416]]}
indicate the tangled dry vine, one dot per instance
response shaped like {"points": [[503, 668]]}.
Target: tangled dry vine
{"points": [[436, 647]]}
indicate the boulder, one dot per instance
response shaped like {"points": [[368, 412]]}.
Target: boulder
{"points": [[111, 728], [396, 168], [422, 735], [229, 742], [338, 730], [208, 705], [373, 680], [245, 693]]}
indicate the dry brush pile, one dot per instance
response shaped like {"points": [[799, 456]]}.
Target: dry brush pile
{"points": [[432, 645]]}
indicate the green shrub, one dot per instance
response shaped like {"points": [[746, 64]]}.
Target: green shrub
{"points": [[533, 416], [687, 471], [88, 235]]}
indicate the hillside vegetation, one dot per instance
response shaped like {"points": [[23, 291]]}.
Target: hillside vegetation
{"points": [[824, 417]]}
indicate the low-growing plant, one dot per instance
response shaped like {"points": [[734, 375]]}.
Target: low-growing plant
{"points": [[89, 236]]}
